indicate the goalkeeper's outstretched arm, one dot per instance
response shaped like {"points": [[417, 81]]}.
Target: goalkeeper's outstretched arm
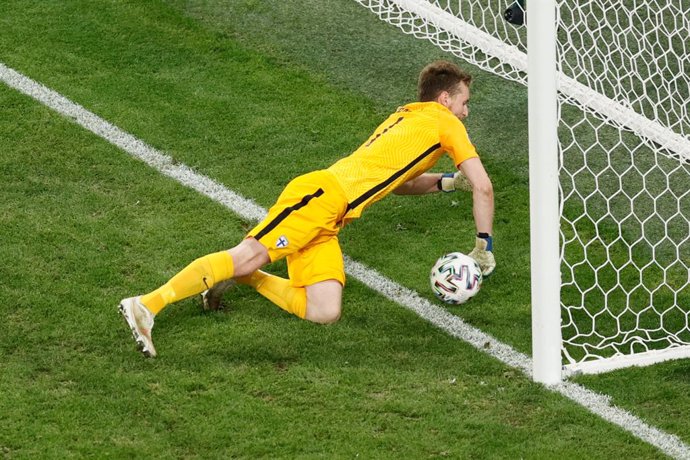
{"points": [[420, 185], [471, 177], [435, 182], [482, 194], [483, 210]]}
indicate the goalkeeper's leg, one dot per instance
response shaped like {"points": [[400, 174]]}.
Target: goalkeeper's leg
{"points": [[318, 269], [139, 312], [324, 301], [206, 271], [319, 302]]}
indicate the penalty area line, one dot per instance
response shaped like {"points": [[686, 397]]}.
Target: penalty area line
{"points": [[247, 209]]}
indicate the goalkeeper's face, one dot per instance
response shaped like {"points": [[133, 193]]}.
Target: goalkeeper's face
{"points": [[458, 102]]}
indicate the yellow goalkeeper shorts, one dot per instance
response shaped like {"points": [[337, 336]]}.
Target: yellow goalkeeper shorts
{"points": [[303, 226]]}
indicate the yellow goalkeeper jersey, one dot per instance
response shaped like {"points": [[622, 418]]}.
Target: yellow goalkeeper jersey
{"points": [[404, 146]]}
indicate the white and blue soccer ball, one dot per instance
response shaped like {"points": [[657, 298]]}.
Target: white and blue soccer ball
{"points": [[455, 278]]}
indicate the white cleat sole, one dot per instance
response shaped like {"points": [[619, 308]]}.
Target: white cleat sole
{"points": [[144, 344]]}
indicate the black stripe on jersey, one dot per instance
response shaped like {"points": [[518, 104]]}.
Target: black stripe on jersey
{"points": [[286, 212], [377, 188], [383, 132]]}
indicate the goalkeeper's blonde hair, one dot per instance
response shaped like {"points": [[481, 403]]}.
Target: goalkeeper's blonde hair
{"points": [[440, 76]]}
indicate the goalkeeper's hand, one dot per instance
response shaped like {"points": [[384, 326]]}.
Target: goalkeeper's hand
{"points": [[451, 182], [483, 254]]}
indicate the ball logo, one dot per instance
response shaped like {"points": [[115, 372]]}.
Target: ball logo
{"points": [[455, 278], [282, 242]]}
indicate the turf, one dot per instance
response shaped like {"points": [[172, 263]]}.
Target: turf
{"points": [[250, 94]]}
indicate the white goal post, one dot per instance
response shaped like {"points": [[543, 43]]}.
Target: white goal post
{"points": [[609, 103], [542, 110]]}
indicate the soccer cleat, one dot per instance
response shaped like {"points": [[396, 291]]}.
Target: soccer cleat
{"points": [[211, 298], [140, 321]]}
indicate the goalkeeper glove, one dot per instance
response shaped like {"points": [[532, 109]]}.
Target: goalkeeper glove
{"points": [[483, 254], [451, 182]]}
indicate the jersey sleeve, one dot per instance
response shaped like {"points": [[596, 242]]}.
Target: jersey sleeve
{"points": [[455, 141]]}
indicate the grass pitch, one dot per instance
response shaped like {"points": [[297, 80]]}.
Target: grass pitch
{"points": [[250, 94]]}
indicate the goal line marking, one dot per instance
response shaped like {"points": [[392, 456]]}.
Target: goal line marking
{"points": [[247, 209]]}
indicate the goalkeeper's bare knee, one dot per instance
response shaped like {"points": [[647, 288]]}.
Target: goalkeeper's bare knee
{"points": [[323, 313], [324, 302]]}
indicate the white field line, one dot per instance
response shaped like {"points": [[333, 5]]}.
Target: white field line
{"points": [[247, 209]]}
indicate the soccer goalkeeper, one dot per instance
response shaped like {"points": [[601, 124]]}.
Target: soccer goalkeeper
{"points": [[303, 224]]}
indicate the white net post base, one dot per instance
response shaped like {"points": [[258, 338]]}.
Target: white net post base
{"points": [[623, 361]]}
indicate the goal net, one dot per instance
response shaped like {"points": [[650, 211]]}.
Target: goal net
{"points": [[624, 160]]}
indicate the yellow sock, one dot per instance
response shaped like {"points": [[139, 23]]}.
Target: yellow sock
{"points": [[278, 290], [195, 278]]}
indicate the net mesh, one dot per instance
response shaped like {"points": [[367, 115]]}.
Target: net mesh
{"points": [[624, 127]]}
